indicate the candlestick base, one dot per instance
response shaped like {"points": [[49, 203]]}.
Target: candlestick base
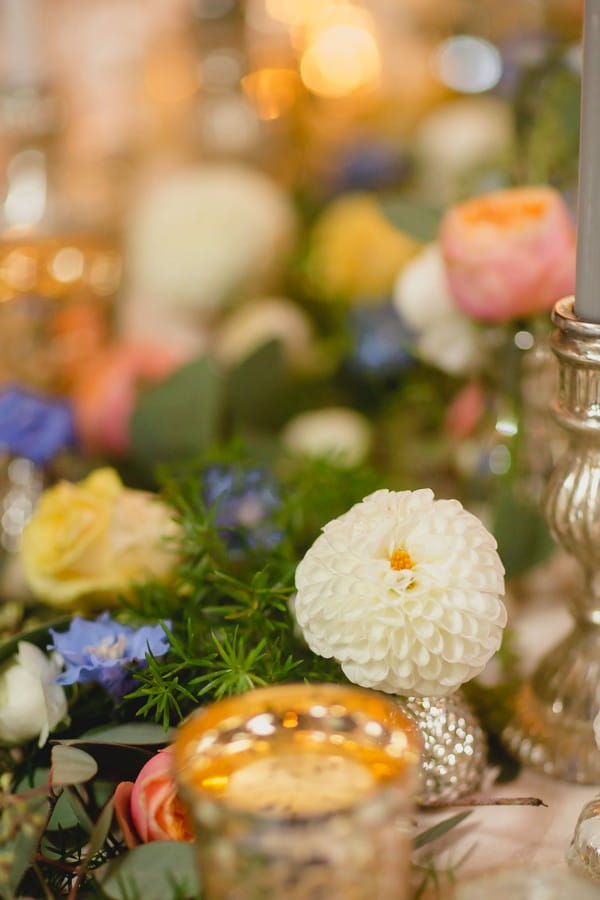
{"points": [[552, 727]]}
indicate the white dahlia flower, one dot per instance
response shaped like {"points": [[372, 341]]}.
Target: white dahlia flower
{"points": [[445, 337], [404, 591], [199, 238], [338, 433]]}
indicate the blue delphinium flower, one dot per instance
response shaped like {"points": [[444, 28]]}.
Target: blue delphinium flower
{"points": [[34, 426], [243, 503], [381, 341], [104, 651]]}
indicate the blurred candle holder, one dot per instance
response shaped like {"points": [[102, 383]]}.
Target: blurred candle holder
{"points": [[552, 727], [301, 791], [58, 273]]}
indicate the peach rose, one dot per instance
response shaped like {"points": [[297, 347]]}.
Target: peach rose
{"points": [[510, 253], [149, 809], [107, 389]]}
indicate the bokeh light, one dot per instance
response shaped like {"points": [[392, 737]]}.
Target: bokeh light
{"points": [[468, 64], [341, 52]]}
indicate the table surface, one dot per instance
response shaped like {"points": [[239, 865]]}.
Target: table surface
{"points": [[496, 838]]}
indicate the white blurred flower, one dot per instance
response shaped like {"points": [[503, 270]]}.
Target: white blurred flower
{"points": [[456, 138], [31, 704], [203, 235], [334, 432], [252, 324], [405, 592], [445, 337]]}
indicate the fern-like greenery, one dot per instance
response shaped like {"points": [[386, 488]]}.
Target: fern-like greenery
{"points": [[227, 611]]}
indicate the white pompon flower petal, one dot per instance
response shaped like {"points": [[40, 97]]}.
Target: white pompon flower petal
{"points": [[405, 592]]}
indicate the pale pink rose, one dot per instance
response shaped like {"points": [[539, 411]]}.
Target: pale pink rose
{"points": [[156, 812], [465, 411], [510, 253], [107, 389]]}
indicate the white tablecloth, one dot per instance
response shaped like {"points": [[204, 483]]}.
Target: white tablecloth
{"points": [[502, 837]]}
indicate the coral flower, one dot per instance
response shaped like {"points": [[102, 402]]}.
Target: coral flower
{"points": [[107, 390], [155, 809], [510, 253]]}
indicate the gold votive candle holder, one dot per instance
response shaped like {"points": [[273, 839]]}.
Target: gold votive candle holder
{"points": [[301, 792]]}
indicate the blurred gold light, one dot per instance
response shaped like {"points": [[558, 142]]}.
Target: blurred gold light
{"points": [[273, 91], [339, 59], [293, 12]]}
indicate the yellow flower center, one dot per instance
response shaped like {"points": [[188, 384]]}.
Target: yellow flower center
{"points": [[401, 559]]}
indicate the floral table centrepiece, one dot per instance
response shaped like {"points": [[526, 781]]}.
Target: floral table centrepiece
{"points": [[404, 591], [218, 624]]}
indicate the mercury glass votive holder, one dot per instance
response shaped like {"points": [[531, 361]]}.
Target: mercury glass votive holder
{"points": [[302, 792]]}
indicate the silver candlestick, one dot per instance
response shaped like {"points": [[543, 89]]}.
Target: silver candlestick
{"points": [[552, 727]]}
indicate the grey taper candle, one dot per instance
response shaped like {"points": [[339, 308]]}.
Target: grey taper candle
{"points": [[587, 291]]}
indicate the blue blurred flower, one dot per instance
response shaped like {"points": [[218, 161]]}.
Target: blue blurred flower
{"points": [[369, 164], [34, 426], [243, 503], [104, 650], [381, 341]]}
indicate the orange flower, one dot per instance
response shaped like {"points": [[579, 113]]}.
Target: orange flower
{"points": [[510, 253], [149, 809]]}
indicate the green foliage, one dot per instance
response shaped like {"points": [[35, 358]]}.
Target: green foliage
{"points": [[179, 417], [520, 529], [156, 871], [547, 125], [231, 626]]}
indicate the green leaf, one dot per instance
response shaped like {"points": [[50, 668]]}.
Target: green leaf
{"points": [[420, 222], [132, 734], [523, 537], [22, 847], [71, 765], [178, 418], [256, 387], [38, 636], [439, 830], [79, 810], [100, 831], [153, 871]]}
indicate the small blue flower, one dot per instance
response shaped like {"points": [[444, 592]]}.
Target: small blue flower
{"points": [[243, 502], [381, 341], [104, 650], [34, 426]]}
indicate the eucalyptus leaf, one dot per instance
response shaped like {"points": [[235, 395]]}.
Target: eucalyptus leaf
{"points": [[19, 849], [131, 734], [178, 418], [79, 810], [154, 871], [256, 387], [70, 765], [101, 829]]}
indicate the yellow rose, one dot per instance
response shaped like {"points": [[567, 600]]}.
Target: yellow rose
{"points": [[355, 252], [87, 542]]}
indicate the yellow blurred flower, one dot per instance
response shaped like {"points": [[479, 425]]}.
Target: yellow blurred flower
{"points": [[88, 542], [355, 252]]}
